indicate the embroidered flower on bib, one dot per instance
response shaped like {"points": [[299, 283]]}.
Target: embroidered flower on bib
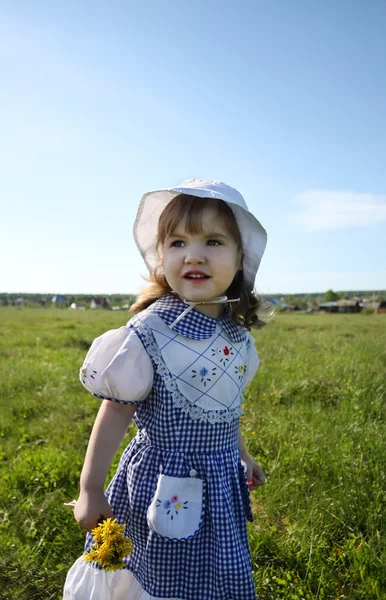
{"points": [[224, 354], [203, 373], [240, 371]]}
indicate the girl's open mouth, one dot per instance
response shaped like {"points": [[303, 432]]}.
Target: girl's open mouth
{"points": [[196, 276]]}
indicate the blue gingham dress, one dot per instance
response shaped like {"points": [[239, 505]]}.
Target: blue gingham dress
{"points": [[179, 437]]}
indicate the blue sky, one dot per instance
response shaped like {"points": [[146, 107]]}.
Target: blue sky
{"points": [[101, 102]]}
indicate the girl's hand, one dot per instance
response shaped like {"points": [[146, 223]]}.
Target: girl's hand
{"points": [[90, 507], [255, 473]]}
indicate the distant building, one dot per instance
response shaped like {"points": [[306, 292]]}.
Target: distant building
{"points": [[99, 303], [381, 310], [328, 307], [349, 306], [75, 306], [370, 304], [59, 300], [341, 306], [290, 307]]}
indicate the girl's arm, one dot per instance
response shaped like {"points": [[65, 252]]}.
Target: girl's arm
{"points": [[255, 473], [243, 451], [111, 424]]}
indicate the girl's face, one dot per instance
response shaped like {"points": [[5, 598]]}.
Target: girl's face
{"points": [[201, 266]]}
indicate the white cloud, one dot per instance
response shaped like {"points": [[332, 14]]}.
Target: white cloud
{"points": [[332, 209]]}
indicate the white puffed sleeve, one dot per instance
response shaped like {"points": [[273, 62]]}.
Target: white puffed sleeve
{"points": [[253, 362], [117, 367]]}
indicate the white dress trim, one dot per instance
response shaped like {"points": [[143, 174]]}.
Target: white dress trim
{"points": [[85, 582]]}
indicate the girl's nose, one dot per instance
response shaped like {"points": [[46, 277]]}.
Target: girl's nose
{"points": [[194, 256], [194, 259]]}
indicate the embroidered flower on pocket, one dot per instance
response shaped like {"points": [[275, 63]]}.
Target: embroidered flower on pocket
{"points": [[172, 506], [203, 373]]}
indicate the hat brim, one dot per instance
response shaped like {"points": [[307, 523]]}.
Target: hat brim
{"points": [[253, 234]]}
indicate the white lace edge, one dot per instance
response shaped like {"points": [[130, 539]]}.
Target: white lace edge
{"points": [[226, 415]]}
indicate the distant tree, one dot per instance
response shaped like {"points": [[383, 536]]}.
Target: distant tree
{"points": [[302, 304], [330, 296]]}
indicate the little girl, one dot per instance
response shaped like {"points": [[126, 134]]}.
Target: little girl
{"points": [[178, 369]]}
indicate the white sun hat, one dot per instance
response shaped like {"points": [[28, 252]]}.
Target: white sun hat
{"points": [[253, 234]]}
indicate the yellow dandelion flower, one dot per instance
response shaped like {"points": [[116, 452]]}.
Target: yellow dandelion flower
{"points": [[104, 553], [110, 545], [89, 557], [111, 527], [97, 535]]}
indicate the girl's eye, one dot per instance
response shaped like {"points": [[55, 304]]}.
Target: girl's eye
{"points": [[177, 243], [213, 243]]}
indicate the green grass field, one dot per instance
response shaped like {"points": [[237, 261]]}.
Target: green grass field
{"points": [[314, 419]]}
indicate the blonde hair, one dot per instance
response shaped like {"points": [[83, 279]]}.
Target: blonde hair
{"points": [[190, 209]]}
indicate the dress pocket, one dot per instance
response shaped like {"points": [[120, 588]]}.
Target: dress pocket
{"points": [[177, 510]]}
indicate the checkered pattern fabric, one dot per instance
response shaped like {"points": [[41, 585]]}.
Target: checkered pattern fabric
{"points": [[194, 325], [215, 563]]}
